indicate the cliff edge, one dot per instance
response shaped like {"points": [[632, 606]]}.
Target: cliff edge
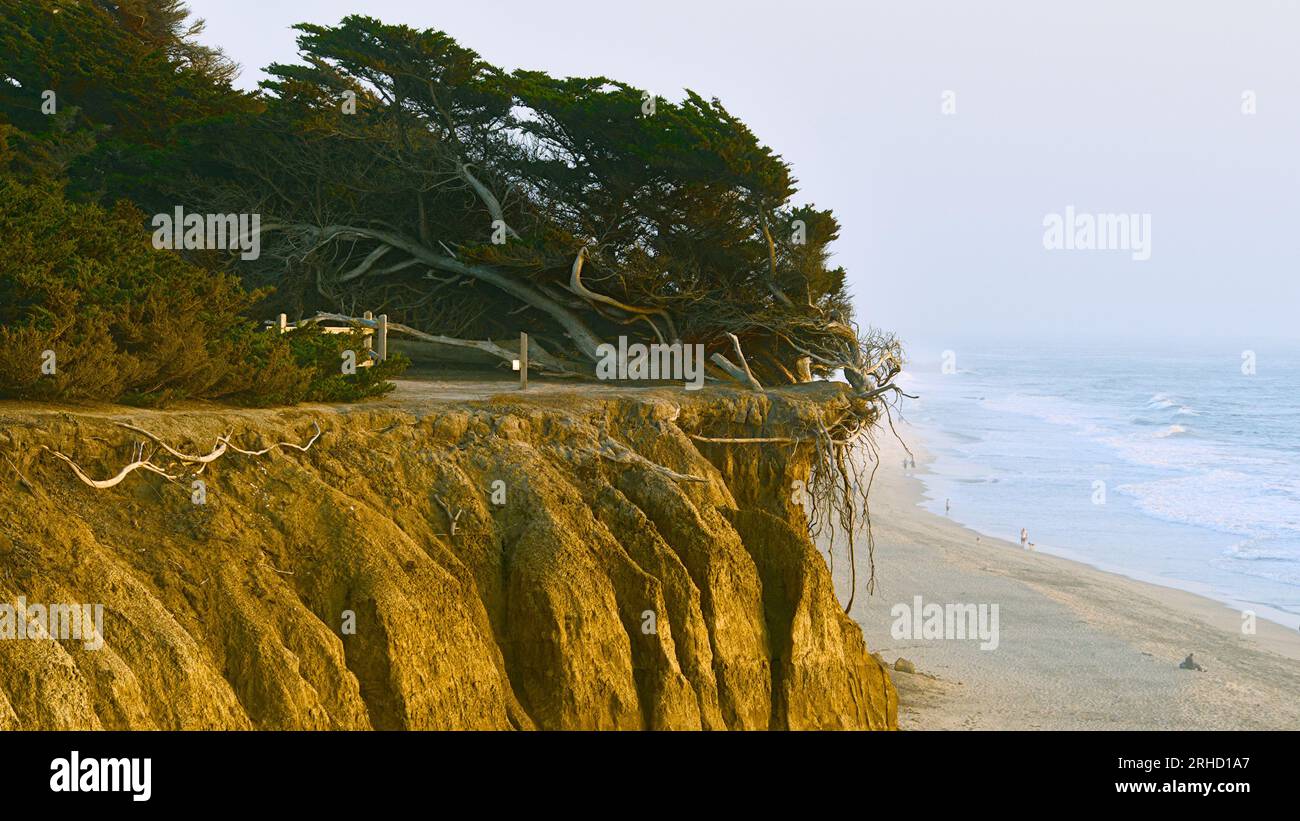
{"points": [[556, 559]]}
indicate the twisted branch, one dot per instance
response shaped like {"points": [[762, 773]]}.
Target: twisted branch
{"points": [[139, 462], [264, 451], [219, 449], [742, 373], [489, 199], [576, 286]]}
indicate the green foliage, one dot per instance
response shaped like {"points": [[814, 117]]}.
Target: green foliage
{"points": [[122, 319], [125, 322], [680, 208], [320, 355], [129, 79], [687, 220], [129, 323]]}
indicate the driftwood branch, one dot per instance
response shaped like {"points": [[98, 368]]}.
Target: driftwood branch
{"points": [[264, 451], [139, 462]]}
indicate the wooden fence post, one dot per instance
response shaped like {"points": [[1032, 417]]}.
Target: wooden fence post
{"points": [[381, 338], [284, 323], [523, 361], [370, 335]]}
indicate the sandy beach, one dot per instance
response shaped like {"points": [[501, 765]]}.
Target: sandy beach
{"points": [[1078, 648]]}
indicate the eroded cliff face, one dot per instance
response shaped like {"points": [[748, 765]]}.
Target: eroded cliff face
{"points": [[327, 589]]}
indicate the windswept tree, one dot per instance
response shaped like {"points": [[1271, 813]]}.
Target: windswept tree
{"points": [[397, 171], [96, 94]]}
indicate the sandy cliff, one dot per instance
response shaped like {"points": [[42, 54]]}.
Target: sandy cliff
{"points": [[602, 593]]}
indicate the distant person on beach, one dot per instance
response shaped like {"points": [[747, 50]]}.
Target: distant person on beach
{"points": [[947, 506], [1024, 539]]}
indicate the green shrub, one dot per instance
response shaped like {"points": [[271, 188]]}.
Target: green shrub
{"points": [[318, 356], [126, 322]]}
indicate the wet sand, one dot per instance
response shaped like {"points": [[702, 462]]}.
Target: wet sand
{"points": [[1079, 648]]}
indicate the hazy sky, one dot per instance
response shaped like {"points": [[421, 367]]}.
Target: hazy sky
{"points": [[1110, 106]]}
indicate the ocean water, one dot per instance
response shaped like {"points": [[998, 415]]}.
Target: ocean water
{"points": [[1169, 466]]}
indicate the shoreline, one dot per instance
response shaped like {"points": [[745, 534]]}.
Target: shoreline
{"points": [[1284, 618], [1080, 647]]}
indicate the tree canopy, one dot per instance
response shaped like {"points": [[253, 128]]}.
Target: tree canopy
{"points": [[126, 77], [395, 170]]}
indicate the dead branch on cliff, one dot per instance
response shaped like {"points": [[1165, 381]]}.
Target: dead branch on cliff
{"points": [[223, 444], [453, 521], [266, 450], [616, 451], [215, 454], [21, 477], [139, 462], [142, 462]]}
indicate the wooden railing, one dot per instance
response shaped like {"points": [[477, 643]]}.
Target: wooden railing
{"points": [[374, 329]]}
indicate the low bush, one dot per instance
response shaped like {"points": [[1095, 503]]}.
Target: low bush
{"points": [[89, 310]]}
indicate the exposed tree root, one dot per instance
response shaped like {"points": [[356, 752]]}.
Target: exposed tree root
{"points": [[140, 462], [746, 440], [266, 450], [844, 458], [216, 453], [618, 452]]}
